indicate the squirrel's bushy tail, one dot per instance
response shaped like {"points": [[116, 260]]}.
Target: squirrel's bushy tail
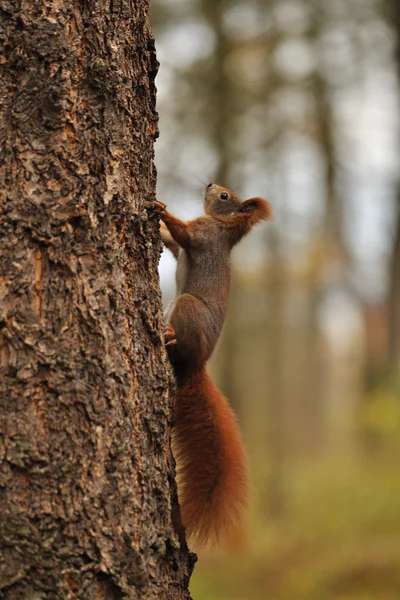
{"points": [[211, 459]]}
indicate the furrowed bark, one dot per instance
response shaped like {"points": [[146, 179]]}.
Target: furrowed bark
{"points": [[86, 475]]}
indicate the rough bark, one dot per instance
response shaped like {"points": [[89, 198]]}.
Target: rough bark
{"points": [[86, 474]]}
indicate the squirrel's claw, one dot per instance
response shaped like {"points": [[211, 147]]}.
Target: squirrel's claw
{"points": [[169, 335], [160, 206], [171, 343]]}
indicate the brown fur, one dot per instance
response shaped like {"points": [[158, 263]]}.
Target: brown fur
{"points": [[168, 241], [212, 467], [213, 482]]}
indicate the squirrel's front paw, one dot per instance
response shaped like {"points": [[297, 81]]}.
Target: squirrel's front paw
{"points": [[169, 335], [159, 206]]}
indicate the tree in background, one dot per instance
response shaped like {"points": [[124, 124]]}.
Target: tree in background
{"points": [[394, 297], [86, 474]]}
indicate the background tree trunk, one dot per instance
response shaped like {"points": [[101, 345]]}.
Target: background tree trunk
{"points": [[394, 294], [86, 474], [222, 112], [394, 300]]}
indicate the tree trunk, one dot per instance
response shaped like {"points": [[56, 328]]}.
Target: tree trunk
{"points": [[276, 394], [394, 301], [394, 295], [86, 474], [222, 114]]}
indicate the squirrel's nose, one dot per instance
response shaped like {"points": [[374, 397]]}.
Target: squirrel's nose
{"points": [[209, 185]]}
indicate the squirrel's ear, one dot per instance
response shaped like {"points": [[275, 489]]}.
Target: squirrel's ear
{"points": [[260, 208]]}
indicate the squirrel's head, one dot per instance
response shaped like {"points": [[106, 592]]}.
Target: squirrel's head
{"points": [[220, 201]]}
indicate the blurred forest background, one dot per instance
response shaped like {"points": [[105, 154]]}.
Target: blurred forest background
{"points": [[298, 101]]}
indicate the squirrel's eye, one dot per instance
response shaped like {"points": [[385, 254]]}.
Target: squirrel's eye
{"points": [[224, 196]]}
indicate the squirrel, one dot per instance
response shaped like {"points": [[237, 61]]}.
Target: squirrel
{"points": [[208, 448]]}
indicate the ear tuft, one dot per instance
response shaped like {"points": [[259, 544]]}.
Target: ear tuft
{"points": [[260, 209]]}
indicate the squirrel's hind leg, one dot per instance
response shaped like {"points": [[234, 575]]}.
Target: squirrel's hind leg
{"points": [[189, 318]]}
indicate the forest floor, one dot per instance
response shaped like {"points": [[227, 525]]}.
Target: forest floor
{"points": [[339, 539]]}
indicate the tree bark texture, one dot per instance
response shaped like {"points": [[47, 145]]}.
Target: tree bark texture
{"points": [[86, 474]]}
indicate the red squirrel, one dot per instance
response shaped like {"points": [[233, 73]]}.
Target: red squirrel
{"points": [[211, 458]]}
